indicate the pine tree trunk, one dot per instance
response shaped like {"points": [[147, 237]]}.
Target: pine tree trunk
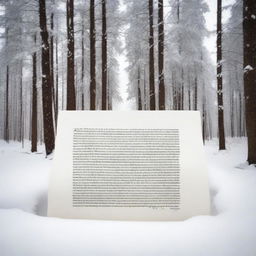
{"points": [[204, 121], [21, 121], [6, 128], [152, 96], [104, 56], [145, 90], [161, 55], [174, 92], [34, 104], [240, 107], [71, 95], [92, 57], [6, 133], [221, 128], [189, 94], [82, 64], [46, 82], [139, 100], [57, 82], [249, 28], [195, 93], [204, 113], [109, 94], [241, 132], [52, 60], [182, 89], [232, 115]]}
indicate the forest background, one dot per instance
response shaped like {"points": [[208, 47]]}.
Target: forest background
{"points": [[141, 55]]}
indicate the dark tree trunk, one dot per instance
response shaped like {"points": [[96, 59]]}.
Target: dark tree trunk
{"points": [[189, 94], [174, 92], [21, 121], [241, 132], [240, 107], [139, 92], [195, 94], [57, 82], [145, 91], [221, 128], [82, 64], [52, 60], [104, 56], [189, 99], [46, 82], [249, 28], [161, 55], [6, 130], [92, 57], [71, 95], [152, 96], [232, 115], [204, 112], [204, 122], [179, 98], [34, 105], [182, 90]]}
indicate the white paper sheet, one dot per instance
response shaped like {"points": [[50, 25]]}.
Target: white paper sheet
{"points": [[138, 165]]}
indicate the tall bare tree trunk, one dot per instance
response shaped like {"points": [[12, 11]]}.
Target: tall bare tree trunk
{"points": [[139, 100], [92, 57], [145, 90], [195, 93], [82, 64], [52, 60], [46, 82], [221, 128], [152, 96], [34, 104], [182, 90], [204, 122], [22, 109], [104, 56], [249, 28], [57, 82], [6, 129], [109, 94], [161, 55], [241, 132], [189, 93], [71, 95]]}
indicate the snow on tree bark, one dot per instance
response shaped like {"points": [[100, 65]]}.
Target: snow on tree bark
{"points": [[152, 95], [249, 28], [221, 129], [46, 82]]}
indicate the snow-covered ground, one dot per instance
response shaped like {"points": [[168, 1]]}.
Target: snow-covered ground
{"points": [[25, 231]]}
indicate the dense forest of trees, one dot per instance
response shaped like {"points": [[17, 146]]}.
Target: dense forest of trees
{"points": [[63, 55]]}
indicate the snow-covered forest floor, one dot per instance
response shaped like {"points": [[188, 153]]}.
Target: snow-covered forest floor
{"points": [[25, 231]]}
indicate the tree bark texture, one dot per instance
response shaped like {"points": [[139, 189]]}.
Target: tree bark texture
{"points": [[221, 129], [249, 28], [46, 82], [71, 95]]}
